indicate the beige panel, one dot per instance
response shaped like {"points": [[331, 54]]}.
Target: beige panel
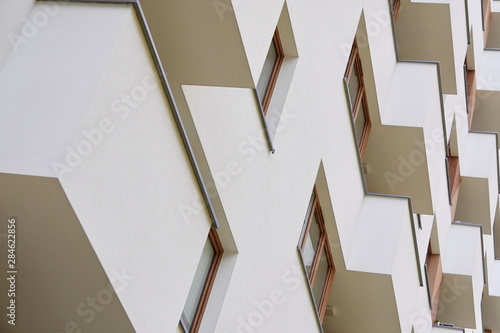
{"points": [[60, 282]]}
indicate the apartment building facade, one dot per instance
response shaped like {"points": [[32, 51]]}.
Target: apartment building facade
{"points": [[241, 166]]}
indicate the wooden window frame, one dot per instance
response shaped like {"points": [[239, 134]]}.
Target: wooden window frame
{"points": [[276, 42], [323, 244], [486, 11], [355, 62], [395, 9], [471, 91], [209, 282]]}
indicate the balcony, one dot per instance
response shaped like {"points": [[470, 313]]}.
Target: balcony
{"points": [[478, 197], [405, 154], [373, 292], [486, 117], [463, 277], [491, 298], [493, 40], [424, 32]]}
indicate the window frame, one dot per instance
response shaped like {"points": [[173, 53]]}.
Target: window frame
{"points": [[280, 56], [355, 62], [323, 245], [208, 284], [395, 9]]}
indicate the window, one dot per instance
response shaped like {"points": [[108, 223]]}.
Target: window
{"points": [[202, 283], [317, 255], [269, 74], [357, 98], [395, 4]]}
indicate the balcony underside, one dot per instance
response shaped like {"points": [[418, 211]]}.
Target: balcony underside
{"points": [[424, 32], [486, 115], [56, 262], [478, 197], [494, 31], [373, 294], [399, 166], [178, 26], [363, 302]]}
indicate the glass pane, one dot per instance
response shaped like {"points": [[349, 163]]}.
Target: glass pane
{"points": [[267, 71], [197, 286], [353, 84], [308, 213], [311, 245], [306, 219], [360, 122], [321, 275]]}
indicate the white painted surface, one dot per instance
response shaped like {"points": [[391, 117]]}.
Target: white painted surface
{"points": [[46, 87], [129, 192], [13, 15]]}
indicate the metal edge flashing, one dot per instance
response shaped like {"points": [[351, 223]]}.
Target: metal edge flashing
{"points": [[467, 22], [482, 15], [168, 93], [264, 123], [175, 113], [450, 328]]}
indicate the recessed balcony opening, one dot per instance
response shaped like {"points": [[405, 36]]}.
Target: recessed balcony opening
{"points": [[470, 90], [493, 34], [434, 275], [496, 235], [454, 179], [486, 7], [395, 5]]}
